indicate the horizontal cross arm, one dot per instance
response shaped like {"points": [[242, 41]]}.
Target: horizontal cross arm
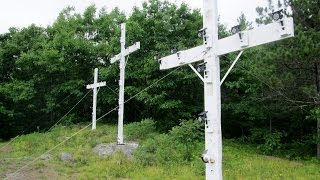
{"points": [[261, 35], [115, 58], [245, 39], [128, 51], [133, 48], [100, 84], [183, 57]]}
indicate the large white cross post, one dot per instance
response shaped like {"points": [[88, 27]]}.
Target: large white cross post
{"points": [[210, 51], [94, 86], [122, 65], [212, 100]]}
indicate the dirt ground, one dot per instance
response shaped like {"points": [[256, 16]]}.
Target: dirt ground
{"points": [[10, 166], [31, 174]]}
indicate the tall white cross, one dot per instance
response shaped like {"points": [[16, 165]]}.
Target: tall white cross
{"points": [[122, 65], [210, 51], [94, 86]]}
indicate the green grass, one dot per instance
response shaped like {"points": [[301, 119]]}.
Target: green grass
{"points": [[242, 162], [239, 161]]}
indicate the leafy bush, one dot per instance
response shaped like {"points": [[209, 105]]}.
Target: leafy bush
{"points": [[188, 132], [140, 130], [157, 150], [188, 135], [256, 135], [300, 149], [272, 142], [180, 144], [269, 141], [68, 119]]}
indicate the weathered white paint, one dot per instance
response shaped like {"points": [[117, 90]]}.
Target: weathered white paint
{"points": [[251, 38], [213, 48], [94, 86], [121, 57]]}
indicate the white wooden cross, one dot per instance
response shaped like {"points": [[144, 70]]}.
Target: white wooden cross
{"points": [[94, 86], [210, 51], [122, 65]]}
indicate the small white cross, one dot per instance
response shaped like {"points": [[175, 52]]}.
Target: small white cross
{"points": [[94, 86]]}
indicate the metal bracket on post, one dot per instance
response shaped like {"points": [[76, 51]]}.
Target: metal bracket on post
{"points": [[209, 43], [244, 39], [180, 58], [206, 158], [284, 30], [202, 33], [207, 76]]}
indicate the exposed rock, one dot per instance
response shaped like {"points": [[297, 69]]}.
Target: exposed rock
{"points": [[111, 148], [46, 157], [66, 157]]}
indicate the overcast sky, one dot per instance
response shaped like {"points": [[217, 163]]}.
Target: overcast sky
{"points": [[22, 13]]}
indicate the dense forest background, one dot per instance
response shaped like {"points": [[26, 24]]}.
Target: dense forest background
{"points": [[271, 98]]}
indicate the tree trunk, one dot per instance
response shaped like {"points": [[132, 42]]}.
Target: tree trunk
{"points": [[317, 71]]}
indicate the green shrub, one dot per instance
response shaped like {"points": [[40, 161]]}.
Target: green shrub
{"points": [[68, 119], [300, 149], [256, 135], [272, 142], [268, 141], [157, 150], [181, 144], [140, 130], [188, 135], [188, 132]]}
